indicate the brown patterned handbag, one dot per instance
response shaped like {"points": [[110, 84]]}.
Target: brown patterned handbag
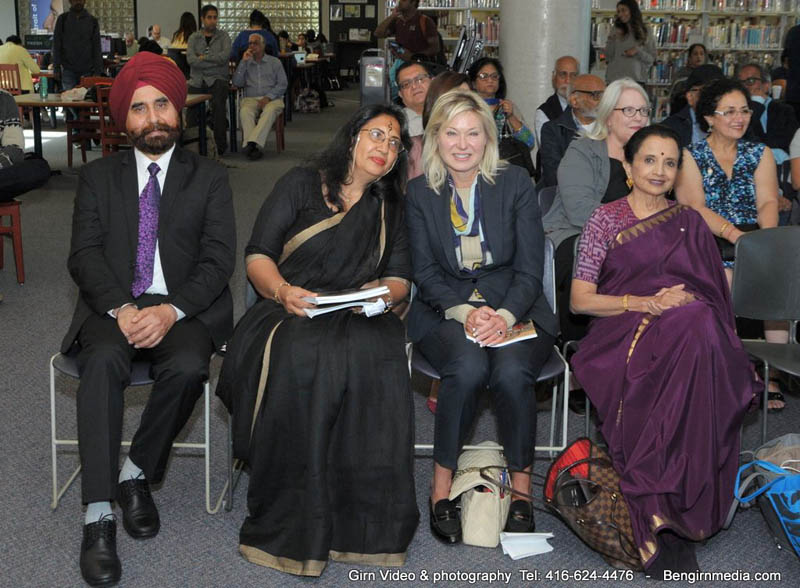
{"points": [[582, 487]]}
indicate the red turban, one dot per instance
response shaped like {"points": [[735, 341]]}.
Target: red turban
{"points": [[146, 69]]}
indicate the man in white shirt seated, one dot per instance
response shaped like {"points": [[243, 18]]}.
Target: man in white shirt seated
{"points": [[264, 82], [155, 35]]}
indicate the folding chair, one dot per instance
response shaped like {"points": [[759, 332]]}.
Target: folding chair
{"points": [[765, 278], [553, 367], [140, 376]]}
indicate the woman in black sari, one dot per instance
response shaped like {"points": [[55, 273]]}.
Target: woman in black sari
{"points": [[322, 408]]}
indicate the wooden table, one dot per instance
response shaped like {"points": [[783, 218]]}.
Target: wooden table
{"points": [[35, 102]]}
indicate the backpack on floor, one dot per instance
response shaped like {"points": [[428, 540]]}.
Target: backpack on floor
{"points": [[776, 479], [307, 101]]}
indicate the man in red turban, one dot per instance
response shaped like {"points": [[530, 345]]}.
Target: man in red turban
{"points": [[153, 248]]}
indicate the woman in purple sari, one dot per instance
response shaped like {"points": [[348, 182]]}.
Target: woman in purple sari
{"points": [[661, 361]]}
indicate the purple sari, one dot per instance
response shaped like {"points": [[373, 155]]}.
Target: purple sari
{"points": [[671, 390]]}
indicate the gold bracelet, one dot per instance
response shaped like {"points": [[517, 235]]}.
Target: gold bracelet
{"points": [[277, 291], [625, 302], [722, 229]]}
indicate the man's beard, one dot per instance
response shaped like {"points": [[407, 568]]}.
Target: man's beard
{"points": [[155, 145]]}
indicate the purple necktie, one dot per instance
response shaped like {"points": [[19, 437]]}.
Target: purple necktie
{"points": [[148, 233]]}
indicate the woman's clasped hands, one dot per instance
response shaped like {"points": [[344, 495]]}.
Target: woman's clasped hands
{"points": [[667, 298], [486, 326]]}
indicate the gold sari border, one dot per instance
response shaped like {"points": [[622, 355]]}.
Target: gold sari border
{"points": [[295, 242], [382, 237], [262, 380], [647, 224], [254, 257], [639, 330], [370, 559], [309, 567]]}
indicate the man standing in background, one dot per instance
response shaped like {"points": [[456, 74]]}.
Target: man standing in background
{"points": [[76, 46], [207, 53]]}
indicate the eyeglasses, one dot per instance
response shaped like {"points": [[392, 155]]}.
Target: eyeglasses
{"points": [[423, 79], [731, 112], [630, 111], [489, 76], [378, 136], [751, 81], [596, 94]]}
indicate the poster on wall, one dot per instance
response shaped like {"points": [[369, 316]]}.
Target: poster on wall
{"points": [[45, 12], [352, 11], [336, 12]]}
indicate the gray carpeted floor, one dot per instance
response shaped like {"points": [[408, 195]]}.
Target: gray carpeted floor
{"points": [[40, 547]]}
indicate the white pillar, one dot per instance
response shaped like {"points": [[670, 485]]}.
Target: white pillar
{"points": [[533, 34]]}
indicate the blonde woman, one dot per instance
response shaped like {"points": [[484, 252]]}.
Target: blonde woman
{"points": [[477, 252]]}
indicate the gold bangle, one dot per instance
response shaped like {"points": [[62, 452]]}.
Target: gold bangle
{"points": [[722, 228], [277, 291], [625, 306]]}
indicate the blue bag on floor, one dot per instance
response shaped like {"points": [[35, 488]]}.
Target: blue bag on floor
{"points": [[778, 497]]}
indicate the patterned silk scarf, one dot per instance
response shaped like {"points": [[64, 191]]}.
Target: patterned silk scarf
{"points": [[468, 224]]}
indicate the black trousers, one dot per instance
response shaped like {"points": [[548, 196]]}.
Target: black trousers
{"points": [[219, 111], [23, 177], [573, 326], [179, 368], [466, 369]]}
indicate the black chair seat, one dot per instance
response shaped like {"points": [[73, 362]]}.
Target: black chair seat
{"points": [[68, 365], [783, 357]]}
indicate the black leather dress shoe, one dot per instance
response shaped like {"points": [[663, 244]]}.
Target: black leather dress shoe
{"points": [[139, 512], [445, 522], [99, 562], [520, 518]]}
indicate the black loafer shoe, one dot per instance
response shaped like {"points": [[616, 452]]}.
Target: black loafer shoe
{"points": [[100, 565], [255, 154], [445, 522], [139, 512], [520, 517]]}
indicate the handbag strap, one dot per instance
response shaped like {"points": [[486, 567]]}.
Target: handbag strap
{"points": [[737, 492], [736, 502]]}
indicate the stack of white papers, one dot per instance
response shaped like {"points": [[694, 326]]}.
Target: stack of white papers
{"points": [[519, 545]]}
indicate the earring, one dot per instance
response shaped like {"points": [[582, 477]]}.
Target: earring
{"points": [[629, 183]]}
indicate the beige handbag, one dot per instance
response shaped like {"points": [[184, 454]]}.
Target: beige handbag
{"points": [[484, 505]]}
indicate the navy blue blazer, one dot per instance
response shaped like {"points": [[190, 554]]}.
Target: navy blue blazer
{"points": [[512, 225]]}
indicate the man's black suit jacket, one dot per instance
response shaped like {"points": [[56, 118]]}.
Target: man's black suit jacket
{"points": [[556, 136], [513, 228], [781, 124], [196, 239]]}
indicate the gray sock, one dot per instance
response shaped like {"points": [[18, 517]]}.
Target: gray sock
{"points": [[96, 511], [129, 471]]}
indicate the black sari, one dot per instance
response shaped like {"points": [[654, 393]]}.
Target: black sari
{"points": [[322, 408]]}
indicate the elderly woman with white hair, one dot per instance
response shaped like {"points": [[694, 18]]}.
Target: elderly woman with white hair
{"points": [[591, 174], [477, 252]]}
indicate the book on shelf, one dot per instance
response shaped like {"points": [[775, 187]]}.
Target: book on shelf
{"points": [[519, 332], [354, 299]]}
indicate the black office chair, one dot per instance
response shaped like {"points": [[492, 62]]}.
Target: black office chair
{"points": [[765, 279]]}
